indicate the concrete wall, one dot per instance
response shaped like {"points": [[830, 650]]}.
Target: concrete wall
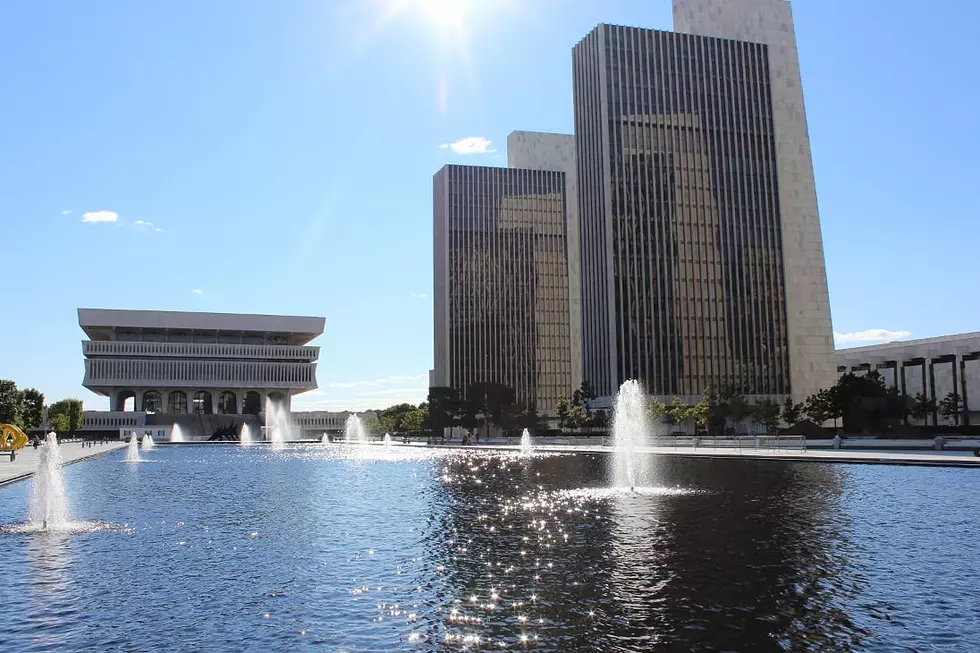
{"points": [[952, 362]]}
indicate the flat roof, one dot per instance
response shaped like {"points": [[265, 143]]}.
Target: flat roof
{"points": [[111, 318]]}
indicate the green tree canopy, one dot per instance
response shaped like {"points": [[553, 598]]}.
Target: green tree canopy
{"points": [[766, 413], [11, 403], [415, 420], [562, 411], [792, 412], [65, 416], [951, 407], [656, 409], [32, 410], [445, 408]]}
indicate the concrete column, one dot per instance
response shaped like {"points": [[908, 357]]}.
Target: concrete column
{"points": [[966, 404]]}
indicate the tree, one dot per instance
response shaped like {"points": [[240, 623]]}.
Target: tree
{"points": [[11, 402], [701, 414], [65, 416], [583, 397], [445, 408], [656, 409], [817, 407], [677, 412], [951, 407], [766, 413], [792, 412], [576, 417], [601, 419], [491, 400], [32, 409], [561, 411], [416, 419], [736, 406], [922, 407]]}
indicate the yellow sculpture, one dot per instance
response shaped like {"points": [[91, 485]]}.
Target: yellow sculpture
{"points": [[11, 438]]}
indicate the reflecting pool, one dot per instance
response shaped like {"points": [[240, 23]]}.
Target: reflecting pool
{"points": [[354, 548]]}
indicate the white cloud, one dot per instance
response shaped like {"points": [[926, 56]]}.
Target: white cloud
{"points": [[148, 226], [869, 336], [100, 216], [417, 295], [197, 291], [66, 212], [470, 145]]}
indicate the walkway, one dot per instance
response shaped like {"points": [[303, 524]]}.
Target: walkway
{"points": [[26, 461]]}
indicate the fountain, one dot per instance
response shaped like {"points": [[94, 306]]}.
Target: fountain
{"points": [[278, 427], [245, 437], [631, 433], [132, 451], [324, 439], [527, 445], [176, 435], [354, 431], [147, 444], [48, 505], [387, 440]]}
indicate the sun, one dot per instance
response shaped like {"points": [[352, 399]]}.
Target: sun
{"points": [[447, 14]]}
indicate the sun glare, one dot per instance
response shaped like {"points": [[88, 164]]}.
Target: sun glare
{"points": [[446, 13]]}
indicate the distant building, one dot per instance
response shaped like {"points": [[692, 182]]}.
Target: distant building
{"points": [[501, 311], [701, 255], [544, 151], [933, 367], [166, 367]]}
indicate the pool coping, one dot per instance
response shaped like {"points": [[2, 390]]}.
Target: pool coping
{"points": [[27, 475]]}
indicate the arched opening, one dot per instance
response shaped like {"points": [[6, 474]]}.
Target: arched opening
{"points": [[177, 403], [125, 401], [152, 402], [227, 403], [202, 403], [251, 403]]}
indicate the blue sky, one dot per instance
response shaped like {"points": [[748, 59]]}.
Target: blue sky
{"points": [[276, 157]]}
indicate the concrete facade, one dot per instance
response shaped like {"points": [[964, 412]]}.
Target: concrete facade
{"points": [[546, 151], [933, 367], [178, 363], [811, 345]]}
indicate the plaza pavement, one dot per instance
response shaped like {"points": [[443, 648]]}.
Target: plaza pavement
{"points": [[26, 461]]}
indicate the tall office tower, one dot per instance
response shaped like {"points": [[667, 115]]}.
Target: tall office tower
{"points": [[684, 277], [501, 282], [811, 344], [545, 151]]}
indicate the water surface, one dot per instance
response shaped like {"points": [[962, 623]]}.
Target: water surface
{"points": [[326, 548]]}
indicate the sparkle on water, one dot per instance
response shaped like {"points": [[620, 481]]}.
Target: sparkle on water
{"points": [[631, 435], [496, 551], [133, 450], [176, 435], [354, 431]]}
